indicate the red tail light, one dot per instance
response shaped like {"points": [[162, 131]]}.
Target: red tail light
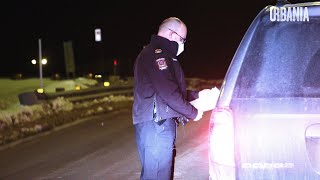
{"points": [[221, 144]]}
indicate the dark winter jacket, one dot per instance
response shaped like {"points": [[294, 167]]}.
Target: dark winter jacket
{"points": [[159, 84]]}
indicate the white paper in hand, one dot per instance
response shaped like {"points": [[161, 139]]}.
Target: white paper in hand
{"points": [[207, 101]]}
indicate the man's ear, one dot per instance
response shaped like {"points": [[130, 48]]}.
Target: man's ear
{"points": [[170, 35]]}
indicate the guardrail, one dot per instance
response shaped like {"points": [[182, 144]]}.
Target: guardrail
{"points": [[127, 92], [30, 98], [92, 93]]}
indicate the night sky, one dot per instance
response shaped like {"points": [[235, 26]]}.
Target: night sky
{"points": [[214, 32]]}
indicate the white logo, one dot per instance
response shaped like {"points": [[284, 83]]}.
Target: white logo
{"points": [[289, 14]]}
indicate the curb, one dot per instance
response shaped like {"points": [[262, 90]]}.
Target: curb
{"points": [[45, 133]]}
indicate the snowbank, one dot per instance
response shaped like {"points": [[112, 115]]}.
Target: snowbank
{"points": [[30, 120]]}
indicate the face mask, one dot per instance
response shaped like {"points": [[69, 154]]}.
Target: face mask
{"points": [[180, 48]]}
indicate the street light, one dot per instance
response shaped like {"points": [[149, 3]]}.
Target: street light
{"points": [[44, 61], [33, 61]]}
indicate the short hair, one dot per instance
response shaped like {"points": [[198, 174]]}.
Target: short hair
{"points": [[172, 23]]}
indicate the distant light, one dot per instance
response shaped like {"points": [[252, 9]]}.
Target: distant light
{"points": [[44, 61], [33, 61], [97, 33], [57, 76], [98, 76], [78, 87], [115, 62], [40, 90], [106, 84]]}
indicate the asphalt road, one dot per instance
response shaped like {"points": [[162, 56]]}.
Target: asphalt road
{"points": [[102, 147]]}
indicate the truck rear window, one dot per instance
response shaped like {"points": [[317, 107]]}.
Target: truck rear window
{"points": [[283, 60]]}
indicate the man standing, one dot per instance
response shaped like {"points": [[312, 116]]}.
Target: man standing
{"points": [[161, 99]]}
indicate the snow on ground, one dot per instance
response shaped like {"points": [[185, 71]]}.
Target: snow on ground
{"points": [[10, 89], [30, 120]]}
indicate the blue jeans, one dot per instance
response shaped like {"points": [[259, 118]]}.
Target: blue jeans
{"points": [[156, 145]]}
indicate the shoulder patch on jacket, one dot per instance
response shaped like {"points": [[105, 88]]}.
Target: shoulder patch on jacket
{"points": [[162, 64], [158, 51]]}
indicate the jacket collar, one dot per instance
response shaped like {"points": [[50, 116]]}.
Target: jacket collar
{"points": [[160, 42]]}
